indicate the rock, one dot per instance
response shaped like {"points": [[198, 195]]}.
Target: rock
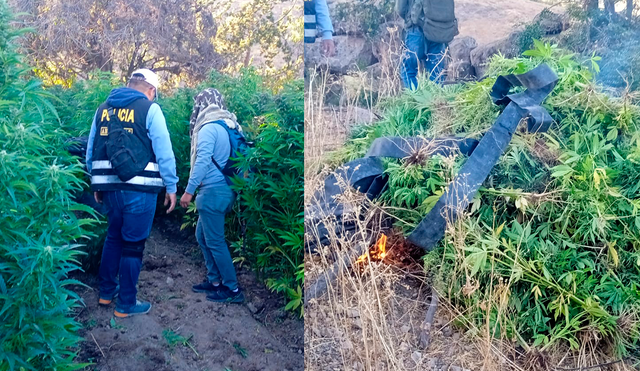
{"points": [[352, 53], [170, 281], [446, 331], [460, 66], [387, 46], [347, 117], [353, 313], [551, 23], [405, 328], [416, 357], [357, 323], [432, 363], [404, 347], [252, 308], [460, 48], [347, 345], [508, 47]]}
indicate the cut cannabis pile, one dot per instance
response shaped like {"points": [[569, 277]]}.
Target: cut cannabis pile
{"points": [[548, 253]]}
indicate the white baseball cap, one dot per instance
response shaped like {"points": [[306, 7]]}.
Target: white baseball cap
{"points": [[148, 76]]}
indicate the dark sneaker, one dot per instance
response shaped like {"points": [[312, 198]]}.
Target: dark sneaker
{"points": [[141, 307], [226, 296], [106, 299], [206, 287]]}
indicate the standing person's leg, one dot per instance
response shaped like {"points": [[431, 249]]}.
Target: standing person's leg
{"points": [[435, 60], [414, 42], [138, 212], [213, 204], [212, 282], [112, 250]]}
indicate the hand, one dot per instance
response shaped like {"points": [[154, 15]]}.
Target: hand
{"points": [[170, 198], [328, 47], [98, 197], [185, 200]]}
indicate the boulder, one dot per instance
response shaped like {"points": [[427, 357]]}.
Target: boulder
{"points": [[460, 66], [352, 53], [480, 56], [460, 48], [551, 23]]}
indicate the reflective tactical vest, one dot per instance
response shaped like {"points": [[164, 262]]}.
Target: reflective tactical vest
{"points": [[310, 25], [133, 119]]}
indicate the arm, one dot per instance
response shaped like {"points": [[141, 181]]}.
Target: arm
{"points": [[207, 138], [92, 135], [161, 142], [323, 20]]}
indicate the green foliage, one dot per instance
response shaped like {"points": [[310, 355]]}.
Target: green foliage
{"points": [[370, 15], [271, 199], [174, 339], [549, 252], [39, 229]]}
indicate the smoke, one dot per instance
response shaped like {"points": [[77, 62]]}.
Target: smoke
{"points": [[619, 47]]}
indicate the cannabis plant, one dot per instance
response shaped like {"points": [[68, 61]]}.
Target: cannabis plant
{"points": [[39, 230]]}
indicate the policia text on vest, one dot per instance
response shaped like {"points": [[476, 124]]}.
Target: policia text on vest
{"points": [[138, 150]]}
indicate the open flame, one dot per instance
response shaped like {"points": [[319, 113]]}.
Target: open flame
{"points": [[377, 252]]}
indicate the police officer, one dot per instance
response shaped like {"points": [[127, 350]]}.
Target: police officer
{"points": [[430, 25], [130, 158], [316, 15]]}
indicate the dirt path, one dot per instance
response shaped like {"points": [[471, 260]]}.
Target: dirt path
{"points": [[258, 335]]}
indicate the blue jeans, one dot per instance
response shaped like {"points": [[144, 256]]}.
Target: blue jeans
{"points": [[130, 216], [421, 49], [213, 204]]}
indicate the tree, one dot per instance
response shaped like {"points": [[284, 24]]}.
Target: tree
{"points": [[78, 36]]}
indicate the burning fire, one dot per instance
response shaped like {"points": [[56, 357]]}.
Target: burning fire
{"points": [[377, 252]]}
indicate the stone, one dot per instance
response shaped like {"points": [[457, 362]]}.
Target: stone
{"points": [[460, 66], [353, 313], [252, 307], [460, 48], [416, 357], [446, 331], [432, 363], [551, 23], [357, 323], [481, 55], [352, 54], [170, 281]]}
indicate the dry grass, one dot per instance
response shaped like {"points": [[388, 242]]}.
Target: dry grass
{"points": [[371, 316]]}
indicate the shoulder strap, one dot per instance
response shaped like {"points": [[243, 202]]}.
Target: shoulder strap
{"points": [[224, 126]]}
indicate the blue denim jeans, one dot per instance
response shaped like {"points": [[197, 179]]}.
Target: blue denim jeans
{"points": [[421, 50], [213, 204], [130, 216]]}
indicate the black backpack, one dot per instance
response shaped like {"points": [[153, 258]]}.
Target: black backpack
{"points": [[124, 150]]}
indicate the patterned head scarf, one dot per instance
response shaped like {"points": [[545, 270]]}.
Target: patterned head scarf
{"points": [[203, 100]]}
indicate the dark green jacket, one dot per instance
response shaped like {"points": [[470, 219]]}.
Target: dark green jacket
{"points": [[436, 18]]}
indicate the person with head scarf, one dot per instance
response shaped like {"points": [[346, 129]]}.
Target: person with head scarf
{"points": [[210, 142]]}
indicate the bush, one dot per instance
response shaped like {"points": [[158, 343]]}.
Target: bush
{"points": [[547, 255], [271, 200], [39, 230]]}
